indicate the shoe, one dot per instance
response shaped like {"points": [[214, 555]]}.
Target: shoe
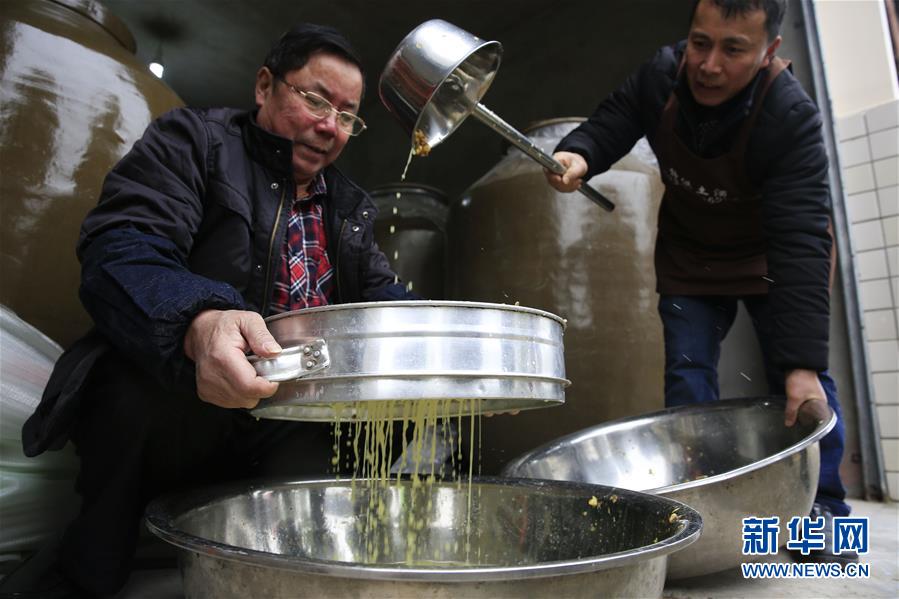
{"points": [[826, 555]]}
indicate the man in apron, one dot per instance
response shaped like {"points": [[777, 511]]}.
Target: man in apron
{"points": [[745, 215]]}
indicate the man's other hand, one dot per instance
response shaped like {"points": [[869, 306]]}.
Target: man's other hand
{"points": [[217, 341], [575, 169], [801, 386]]}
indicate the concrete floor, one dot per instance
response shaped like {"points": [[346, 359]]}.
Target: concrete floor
{"points": [[883, 582]]}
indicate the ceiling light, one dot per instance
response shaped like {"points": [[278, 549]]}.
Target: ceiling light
{"points": [[156, 66]]}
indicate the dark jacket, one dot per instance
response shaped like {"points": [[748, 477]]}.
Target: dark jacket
{"points": [[193, 218], [785, 157]]}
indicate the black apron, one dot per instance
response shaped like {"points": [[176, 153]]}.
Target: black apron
{"points": [[710, 239]]}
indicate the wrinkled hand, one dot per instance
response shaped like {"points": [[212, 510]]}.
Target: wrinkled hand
{"points": [[801, 386], [216, 341], [575, 169]]}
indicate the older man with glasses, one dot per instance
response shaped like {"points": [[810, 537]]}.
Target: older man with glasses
{"points": [[215, 219]]}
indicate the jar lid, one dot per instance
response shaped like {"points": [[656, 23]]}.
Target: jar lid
{"points": [[103, 17]]}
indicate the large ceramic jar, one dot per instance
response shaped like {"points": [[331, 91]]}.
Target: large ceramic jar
{"points": [[411, 231], [514, 239], [73, 100]]}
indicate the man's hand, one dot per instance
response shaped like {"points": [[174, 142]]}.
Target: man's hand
{"points": [[216, 341], [801, 385], [575, 169]]}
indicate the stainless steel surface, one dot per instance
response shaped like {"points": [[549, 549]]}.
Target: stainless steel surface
{"points": [[509, 357], [496, 538], [728, 460], [436, 78], [519, 140]]}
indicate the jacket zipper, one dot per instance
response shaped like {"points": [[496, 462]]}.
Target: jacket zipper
{"points": [[271, 247], [337, 266]]}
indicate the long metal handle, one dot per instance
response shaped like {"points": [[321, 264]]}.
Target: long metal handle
{"points": [[523, 143]]}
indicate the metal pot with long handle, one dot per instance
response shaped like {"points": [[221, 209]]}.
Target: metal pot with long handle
{"points": [[437, 76]]}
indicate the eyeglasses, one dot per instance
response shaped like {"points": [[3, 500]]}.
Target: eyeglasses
{"points": [[321, 108]]}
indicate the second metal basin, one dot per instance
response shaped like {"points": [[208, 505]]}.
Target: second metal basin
{"points": [[494, 538], [728, 460]]}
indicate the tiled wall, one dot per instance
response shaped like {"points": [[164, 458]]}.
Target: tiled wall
{"points": [[869, 157]]}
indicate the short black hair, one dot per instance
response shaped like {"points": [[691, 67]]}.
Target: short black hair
{"points": [[774, 11], [299, 43]]}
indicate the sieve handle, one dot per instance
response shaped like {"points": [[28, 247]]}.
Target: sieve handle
{"points": [[523, 143], [293, 362]]}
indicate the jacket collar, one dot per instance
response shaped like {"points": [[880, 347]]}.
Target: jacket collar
{"points": [[731, 111], [728, 116], [270, 150], [274, 153], [343, 194]]}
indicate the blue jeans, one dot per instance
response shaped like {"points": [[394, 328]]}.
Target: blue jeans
{"points": [[694, 327]]}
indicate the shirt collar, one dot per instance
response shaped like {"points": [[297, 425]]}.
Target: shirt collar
{"points": [[271, 150], [275, 152], [317, 189]]}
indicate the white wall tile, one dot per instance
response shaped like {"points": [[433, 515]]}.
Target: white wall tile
{"points": [[876, 294], [890, 449], [893, 261], [883, 356], [871, 265], [883, 117], [888, 419], [891, 231], [883, 144], [863, 206], [894, 283], [857, 179], [893, 485], [889, 200], [856, 151], [880, 325], [851, 126], [886, 387], [867, 236], [886, 172]]}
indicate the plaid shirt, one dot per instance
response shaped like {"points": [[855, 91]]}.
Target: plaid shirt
{"points": [[304, 278]]}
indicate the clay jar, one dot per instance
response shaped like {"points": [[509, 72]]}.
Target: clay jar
{"points": [[74, 99]]}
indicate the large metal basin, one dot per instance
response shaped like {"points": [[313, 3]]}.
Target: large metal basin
{"points": [[495, 538], [508, 357], [728, 460]]}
